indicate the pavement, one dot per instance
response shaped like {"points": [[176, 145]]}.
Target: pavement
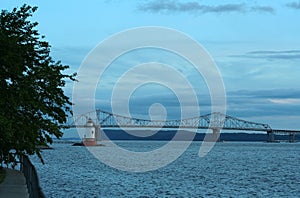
{"points": [[14, 185]]}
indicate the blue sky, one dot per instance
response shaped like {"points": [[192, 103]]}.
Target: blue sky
{"points": [[255, 44]]}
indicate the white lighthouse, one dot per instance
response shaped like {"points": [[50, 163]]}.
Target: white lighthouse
{"points": [[89, 138]]}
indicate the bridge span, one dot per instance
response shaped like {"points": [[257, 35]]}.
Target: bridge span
{"points": [[215, 121]]}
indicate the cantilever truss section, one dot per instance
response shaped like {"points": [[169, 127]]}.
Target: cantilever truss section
{"points": [[214, 120]]}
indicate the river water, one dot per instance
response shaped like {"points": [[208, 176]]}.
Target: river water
{"points": [[231, 169]]}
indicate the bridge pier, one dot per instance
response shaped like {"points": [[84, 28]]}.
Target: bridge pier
{"points": [[270, 136], [292, 137], [214, 136]]}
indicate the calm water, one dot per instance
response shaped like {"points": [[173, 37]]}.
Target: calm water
{"points": [[229, 170]]}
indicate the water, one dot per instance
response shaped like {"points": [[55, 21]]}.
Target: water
{"points": [[229, 170]]}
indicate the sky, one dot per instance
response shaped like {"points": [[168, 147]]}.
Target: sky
{"points": [[255, 45]]}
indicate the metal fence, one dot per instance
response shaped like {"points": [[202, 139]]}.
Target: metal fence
{"points": [[32, 179]]}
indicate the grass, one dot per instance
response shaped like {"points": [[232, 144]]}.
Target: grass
{"points": [[2, 174]]}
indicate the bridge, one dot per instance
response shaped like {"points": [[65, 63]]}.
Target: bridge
{"points": [[214, 121]]}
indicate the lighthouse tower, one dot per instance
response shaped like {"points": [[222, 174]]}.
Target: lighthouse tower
{"points": [[89, 138]]}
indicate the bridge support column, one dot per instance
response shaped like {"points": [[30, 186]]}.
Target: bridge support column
{"points": [[292, 137], [214, 136], [270, 136]]}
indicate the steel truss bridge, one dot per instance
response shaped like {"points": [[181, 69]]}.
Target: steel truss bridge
{"points": [[214, 121]]}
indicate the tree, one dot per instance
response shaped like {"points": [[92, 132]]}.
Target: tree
{"points": [[33, 106]]}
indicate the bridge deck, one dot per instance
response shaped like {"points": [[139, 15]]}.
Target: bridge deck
{"points": [[187, 127]]}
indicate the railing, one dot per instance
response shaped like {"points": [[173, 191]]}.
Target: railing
{"points": [[32, 179]]}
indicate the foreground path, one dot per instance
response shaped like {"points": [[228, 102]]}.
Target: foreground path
{"points": [[14, 185]]}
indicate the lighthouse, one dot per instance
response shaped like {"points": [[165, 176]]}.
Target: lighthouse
{"points": [[89, 138]]}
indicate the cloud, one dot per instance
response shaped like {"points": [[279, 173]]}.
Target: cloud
{"points": [[240, 103], [264, 106], [285, 101], [274, 52], [262, 9], [71, 55], [294, 5], [266, 94], [272, 55], [272, 102], [168, 6]]}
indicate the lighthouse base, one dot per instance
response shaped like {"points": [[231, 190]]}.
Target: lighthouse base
{"points": [[89, 141]]}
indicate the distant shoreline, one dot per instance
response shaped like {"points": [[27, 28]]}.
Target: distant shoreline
{"points": [[168, 135]]}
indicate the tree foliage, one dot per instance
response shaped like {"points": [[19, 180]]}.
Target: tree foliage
{"points": [[33, 106]]}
